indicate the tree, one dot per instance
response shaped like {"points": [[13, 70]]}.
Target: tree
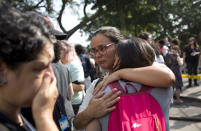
{"points": [[172, 18], [47, 5], [30, 5]]}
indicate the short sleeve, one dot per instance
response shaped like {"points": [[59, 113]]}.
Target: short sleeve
{"points": [[76, 71]]}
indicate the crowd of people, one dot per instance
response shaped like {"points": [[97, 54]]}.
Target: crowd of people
{"points": [[48, 84]]}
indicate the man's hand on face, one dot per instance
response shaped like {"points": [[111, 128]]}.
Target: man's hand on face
{"points": [[44, 101]]}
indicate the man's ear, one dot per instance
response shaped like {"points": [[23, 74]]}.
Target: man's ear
{"points": [[3, 74]]}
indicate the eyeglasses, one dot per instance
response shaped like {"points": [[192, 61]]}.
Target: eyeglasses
{"points": [[100, 49]]}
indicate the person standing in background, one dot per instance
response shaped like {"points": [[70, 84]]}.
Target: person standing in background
{"points": [[166, 46], [191, 58], [174, 62], [175, 41], [72, 62], [63, 110], [89, 70], [148, 37]]}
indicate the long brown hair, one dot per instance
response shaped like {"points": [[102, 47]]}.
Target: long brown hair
{"points": [[134, 53], [195, 43]]}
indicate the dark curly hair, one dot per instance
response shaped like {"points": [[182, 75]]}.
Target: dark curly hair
{"points": [[57, 51], [21, 37]]}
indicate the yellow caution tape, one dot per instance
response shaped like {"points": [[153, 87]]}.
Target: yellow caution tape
{"points": [[191, 76]]}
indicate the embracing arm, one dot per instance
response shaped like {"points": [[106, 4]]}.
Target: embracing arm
{"points": [[156, 75]]}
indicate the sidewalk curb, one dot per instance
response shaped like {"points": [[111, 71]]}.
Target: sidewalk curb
{"points": [[195, 119], [185, 119], [191, 98]]}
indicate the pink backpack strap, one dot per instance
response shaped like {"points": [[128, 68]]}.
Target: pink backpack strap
{"points": [[117, 85], [145, 89], [131, 85]]}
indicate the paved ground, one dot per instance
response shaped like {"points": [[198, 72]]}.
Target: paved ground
{"points": [[184, 126], [187, 116]]}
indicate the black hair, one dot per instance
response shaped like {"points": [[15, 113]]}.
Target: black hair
{"points": [[156, 49], [144, 35], [161, 42], [79, 49], [111, 33], [175, 47], [21, 37], [57, 51], [175, 41], [134, 53]]}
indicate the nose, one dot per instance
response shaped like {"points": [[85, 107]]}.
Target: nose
{"points": [[49, 70]]}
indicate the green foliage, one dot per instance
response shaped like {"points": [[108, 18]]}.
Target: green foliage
{"points": [[172, 18], [31, 5]]}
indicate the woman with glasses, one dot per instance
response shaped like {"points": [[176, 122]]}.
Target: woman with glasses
{"points": [[103, 49], [191, 59]]}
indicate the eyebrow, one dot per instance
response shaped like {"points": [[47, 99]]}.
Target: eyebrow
{"points": [[40, 64]]}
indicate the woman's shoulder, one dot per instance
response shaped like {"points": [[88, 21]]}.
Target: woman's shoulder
{"points": [[131, 86], [74, 63], [74, 66], [93, 85]]}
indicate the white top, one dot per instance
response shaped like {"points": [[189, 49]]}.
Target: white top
{"points": [[165, 50], [76, 74], [159, 59]]}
